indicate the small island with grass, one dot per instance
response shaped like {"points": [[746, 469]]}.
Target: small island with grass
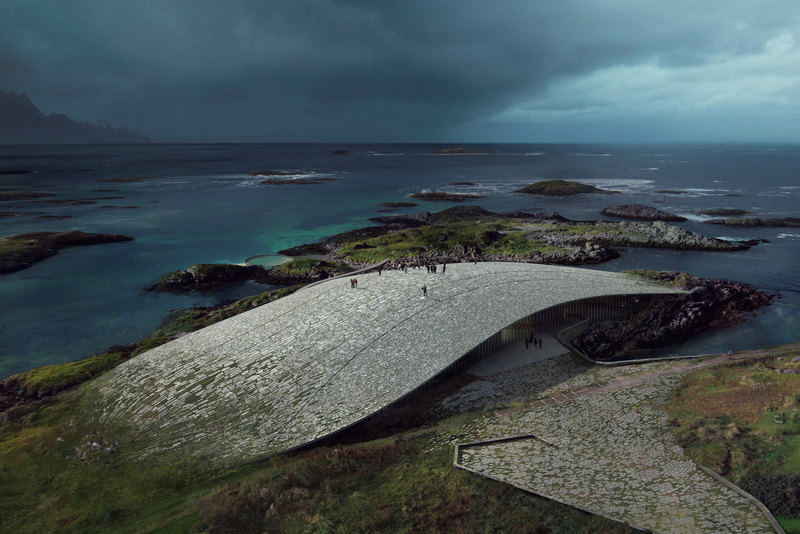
{"points": [[211, 277], [24, 250], [560, 188], [641, 213], [467, 233]]}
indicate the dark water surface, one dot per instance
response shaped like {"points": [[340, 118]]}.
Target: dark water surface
{"points": [[204, 207]]}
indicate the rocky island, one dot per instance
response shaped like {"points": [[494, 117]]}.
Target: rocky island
{"points": [[24, 250], [214, 276], [561, 188], [441, 196], [470, 233], [643, 213]]}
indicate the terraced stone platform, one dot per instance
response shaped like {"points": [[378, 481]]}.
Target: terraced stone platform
{"points": [[605, 446], [305, 366]]}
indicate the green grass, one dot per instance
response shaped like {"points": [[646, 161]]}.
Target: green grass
{"points": [[615, 233], [790, 525], [46, 488], [725, 418], [671, 279], [305, 267], [383, 486], [516, 243], [52, 378], [492, 236], [386, 485], [790, 457]]}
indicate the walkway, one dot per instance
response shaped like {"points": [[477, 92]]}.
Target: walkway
{"points": [[601, 442]]}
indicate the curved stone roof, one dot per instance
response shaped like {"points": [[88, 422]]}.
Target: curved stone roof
{"points": [[314, 362]]}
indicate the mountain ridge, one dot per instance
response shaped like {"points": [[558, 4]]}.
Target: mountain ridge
{"points": [[21, 122]]}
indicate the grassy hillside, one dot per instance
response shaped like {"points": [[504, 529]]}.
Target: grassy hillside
{"points": [[743, 421]]}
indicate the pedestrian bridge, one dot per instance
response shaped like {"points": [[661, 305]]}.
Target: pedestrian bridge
{"points": [[310, 364]]}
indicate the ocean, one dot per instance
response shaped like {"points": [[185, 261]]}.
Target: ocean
{"points": [[199, 204]]}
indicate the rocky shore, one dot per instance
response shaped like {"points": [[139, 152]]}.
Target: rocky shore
{"points": [[708, 304]]}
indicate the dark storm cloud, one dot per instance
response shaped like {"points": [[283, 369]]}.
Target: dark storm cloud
{"points": [[357, 70]]}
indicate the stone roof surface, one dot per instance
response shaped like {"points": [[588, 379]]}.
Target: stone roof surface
{"points": [[319, 360]]}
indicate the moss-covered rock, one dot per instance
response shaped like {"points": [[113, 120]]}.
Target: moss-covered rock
{"points": [[24, 250], [206, 277], [215, 276], [310, 269]]}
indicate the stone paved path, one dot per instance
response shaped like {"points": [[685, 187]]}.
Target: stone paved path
{"points": [[307, 365], [603, 444]]}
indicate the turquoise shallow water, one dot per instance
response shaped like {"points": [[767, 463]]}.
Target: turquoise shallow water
{"points": [[204, 207]]}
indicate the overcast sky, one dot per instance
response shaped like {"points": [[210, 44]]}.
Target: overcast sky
{"points": [[427, 70]]}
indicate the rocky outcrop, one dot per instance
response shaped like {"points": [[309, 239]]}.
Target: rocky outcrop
{"points": [[631, 234], [561, 188], [441, 196], [206, 277], [24, 250], [750, 222], [724, 212], [212, 277], [585, 255], [707, 305], [643, 213], [407, 220]]}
